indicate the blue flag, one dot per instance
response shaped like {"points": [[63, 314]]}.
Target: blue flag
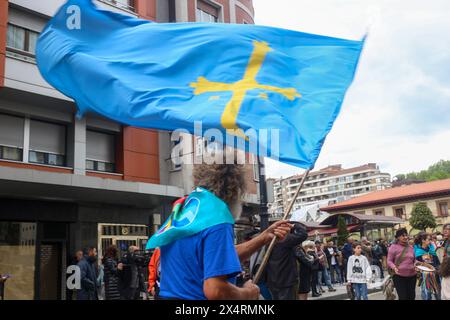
{"points": [[190, 215], [241, 79]]}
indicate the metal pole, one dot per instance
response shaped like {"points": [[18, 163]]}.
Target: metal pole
{"points": [[263, 214], [285, 217]]}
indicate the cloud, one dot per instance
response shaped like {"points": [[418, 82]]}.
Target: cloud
{"points": [[397, 112]]}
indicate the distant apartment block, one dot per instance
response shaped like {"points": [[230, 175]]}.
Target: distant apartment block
{"points": [[328, 186]]}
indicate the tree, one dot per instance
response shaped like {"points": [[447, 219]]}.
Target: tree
{"points": [[422, 217], [342, 232], [437, 171]]}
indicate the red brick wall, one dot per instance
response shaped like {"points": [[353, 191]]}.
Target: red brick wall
{"points": [[3, 28], [226, 9], [191, 10], [249, 5], [146, 9], [140, 155], [242, 15]]}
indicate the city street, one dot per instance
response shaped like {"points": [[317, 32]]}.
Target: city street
{"points": [[341, 294]]}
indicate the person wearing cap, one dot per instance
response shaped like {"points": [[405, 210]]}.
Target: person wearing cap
{"points": [[401, 260]]}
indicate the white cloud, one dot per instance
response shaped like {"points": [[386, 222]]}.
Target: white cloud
{"points": [[397, 112]]}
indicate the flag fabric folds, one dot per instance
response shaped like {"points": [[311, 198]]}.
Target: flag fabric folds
{"points": [[240, 79]]}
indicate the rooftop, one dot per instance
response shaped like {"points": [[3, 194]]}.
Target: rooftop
{"points": [[409, 192]]}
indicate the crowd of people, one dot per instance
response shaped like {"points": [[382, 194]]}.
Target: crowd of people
{"points": [[202, 261], [299, 267], [116, 278]]}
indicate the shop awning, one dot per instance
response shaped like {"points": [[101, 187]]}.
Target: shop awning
{"points": [[330, 231]]}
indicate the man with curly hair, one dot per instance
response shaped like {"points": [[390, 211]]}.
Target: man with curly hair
{"points": [[203, 264]]}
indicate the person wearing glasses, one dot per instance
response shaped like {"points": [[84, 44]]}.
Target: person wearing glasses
{"points": [[401, 260]]}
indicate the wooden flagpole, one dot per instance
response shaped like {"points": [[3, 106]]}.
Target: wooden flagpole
{"points": [[285, 217]]}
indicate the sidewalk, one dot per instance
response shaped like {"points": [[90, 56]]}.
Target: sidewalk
{"points": [[339, 294]]}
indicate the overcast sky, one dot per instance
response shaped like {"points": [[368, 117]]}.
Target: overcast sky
{"points": [[397, 111]]}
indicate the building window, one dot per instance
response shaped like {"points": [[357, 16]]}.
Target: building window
{"points": [[176, 158], [47, 143], [443, 209], [100, 151], [21, 40], [11, 137], [378, 212], [206, 12], [123, 4], [399, 212]]}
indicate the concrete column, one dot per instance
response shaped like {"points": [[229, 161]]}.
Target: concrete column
{"points": [[79, 154], [232, 11], [26, 140], [181, 10]]}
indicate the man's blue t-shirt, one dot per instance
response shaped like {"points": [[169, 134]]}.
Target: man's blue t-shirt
{"points": [[188, 262]]}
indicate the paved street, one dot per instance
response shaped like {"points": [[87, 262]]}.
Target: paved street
{"points": [[341, 294]]}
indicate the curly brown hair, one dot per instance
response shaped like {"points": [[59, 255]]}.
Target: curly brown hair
{"points": [[226, 181]]}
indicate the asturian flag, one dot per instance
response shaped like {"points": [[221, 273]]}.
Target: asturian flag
{"points": [[240, 79]]}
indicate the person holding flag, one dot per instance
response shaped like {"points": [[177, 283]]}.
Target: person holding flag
{"points": [[260, 84], [198, 257]]}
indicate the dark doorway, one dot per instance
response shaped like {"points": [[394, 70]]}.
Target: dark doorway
{"points": [[50, 256]]}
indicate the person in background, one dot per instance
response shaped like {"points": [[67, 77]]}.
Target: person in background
{"points": [[305, 263], [130, 275], [401, 259], [73, 260], [323, 274], [424, 252], [332, 253], [439, 240], [340, 259], [101, 281], [154, 273], [384, 249], [347, 252], [444, 272], [255, 262], [88, 279], [446, 239], [311, 250], [281, 272], [377, 257], [111, 278], [367, 249], [359, 272]]}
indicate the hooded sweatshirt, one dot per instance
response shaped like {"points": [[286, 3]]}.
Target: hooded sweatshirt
{"points": [[358, 269]]}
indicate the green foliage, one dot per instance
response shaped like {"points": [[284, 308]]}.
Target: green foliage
{"points": [[422, 217], [437, 171], [342, 232]]}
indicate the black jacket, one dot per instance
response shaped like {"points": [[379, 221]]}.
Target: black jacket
{"points": [[281, 271], [111, 279], [327, 253]]}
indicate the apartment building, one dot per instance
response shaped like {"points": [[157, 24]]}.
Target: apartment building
{"points": [[398, 203], [67, 183], [328, 186]]}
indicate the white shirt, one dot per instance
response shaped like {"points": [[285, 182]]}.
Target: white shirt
{"points": [[333, 258], [358, 269]]}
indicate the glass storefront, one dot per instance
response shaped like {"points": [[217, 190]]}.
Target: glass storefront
{"points": [[17, 259]]}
